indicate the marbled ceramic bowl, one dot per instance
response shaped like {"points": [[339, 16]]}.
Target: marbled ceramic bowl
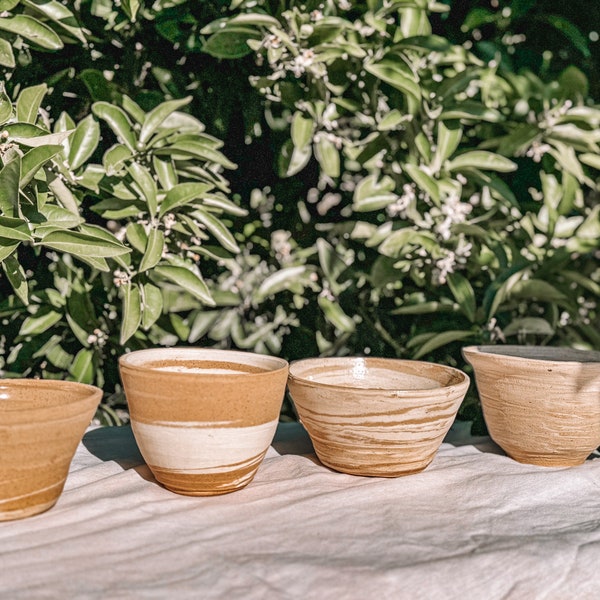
{"points": [[376, 416], [203, 418], [41, 425], [541, 404]]}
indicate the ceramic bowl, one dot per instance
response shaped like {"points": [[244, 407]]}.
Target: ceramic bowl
{"points": [[376, 416], [541, 405], [41, 425], [203, 418]]}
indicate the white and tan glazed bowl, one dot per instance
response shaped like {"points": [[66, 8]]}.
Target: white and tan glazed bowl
{"points": [[376, 416], [203, 418], [41, 424], [541, 404]]}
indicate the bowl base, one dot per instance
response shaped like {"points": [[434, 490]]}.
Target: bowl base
{"points": [[192, 484], [383, 470], [548, 460], [29, 511]]}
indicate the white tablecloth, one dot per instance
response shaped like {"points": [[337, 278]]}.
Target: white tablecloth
{"points": [[473, 525]]}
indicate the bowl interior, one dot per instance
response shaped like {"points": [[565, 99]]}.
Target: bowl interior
{"points": [[541, 353], [18, 395], [374, 373], [201, 361]]}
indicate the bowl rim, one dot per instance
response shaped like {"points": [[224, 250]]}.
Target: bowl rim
{"points": [[279, 364], [463, 381], [485, 350], [93, 392]]}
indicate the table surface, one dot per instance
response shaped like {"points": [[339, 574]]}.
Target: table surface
{"points": [[474, 525]]}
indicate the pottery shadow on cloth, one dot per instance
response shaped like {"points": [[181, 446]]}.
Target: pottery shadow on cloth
{"points": [[114, 444]]}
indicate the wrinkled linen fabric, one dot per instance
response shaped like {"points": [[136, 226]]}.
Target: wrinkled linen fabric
{"points": [[474, 525]]}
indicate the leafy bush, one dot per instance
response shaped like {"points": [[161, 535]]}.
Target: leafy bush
{"points": [[396, 192]]}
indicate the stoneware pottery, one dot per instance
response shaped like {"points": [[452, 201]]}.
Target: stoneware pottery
{"points": [[203, 418], [541, 404], [41, 425], [376, 416]]}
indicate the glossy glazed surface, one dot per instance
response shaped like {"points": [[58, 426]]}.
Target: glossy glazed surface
{"points": [[374, 416], [41, 424], [541, 404], [203, 419]]}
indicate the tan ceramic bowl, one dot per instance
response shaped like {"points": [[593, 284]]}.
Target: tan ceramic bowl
{"points": [[41, 424], [376, 416], [203, 419], [541, 404]]}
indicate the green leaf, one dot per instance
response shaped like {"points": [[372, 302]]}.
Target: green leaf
{"points": [[302, 130], [59, 14], [373, 194], [152, 305], [166, 172], [566, 157], [257, 19], [10, 176], [154, 250], [571, 32], [449, 136], [592, 160], [224, 204], [218, 229], [117, 119], [292, 160], [7, 57], [16, 276], [99, 88], [137, 237], [7, 248], [154, 119], [481, 159], [84, 142], [83, 244], [58, 217], [186, 280], [392, 120], [469, 110], [37, 324], [281, 280], [6, 109], [328, 156], [182, 194], [463, 292], [131, 7], [528, 326], [397, 241], [115, 158], [36, 140], [33, 30], [425, 43], [230, 42], [424, 181], [132, 311], [397, 73], [34, 159], [82, 367], [29, 102], [14, 229], [146, 185], [336, 316], [441, 339], [536, 289], [186, 149]]}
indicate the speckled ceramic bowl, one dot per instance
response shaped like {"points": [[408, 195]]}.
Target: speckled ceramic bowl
{"points": [[203, 419], [41, 424], [376, 416], [541, 404]]}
